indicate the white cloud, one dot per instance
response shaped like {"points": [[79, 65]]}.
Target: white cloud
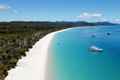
{"points": [[87, 15], [4, 7], [116, 21]]}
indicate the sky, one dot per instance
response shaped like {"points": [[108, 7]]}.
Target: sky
{"points": [[60, 10]]}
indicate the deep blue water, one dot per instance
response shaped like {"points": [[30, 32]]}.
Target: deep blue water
{"points": [[72, 59]]}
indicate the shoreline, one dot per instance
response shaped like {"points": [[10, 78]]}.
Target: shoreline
{"points": [[33, 66]]}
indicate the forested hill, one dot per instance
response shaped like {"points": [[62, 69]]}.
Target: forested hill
{"points": [[51, 24]]}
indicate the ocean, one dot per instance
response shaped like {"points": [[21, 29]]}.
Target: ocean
{"points": [[72, 58]]}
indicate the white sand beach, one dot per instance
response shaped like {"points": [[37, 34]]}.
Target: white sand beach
{"points": [[34, 65]]}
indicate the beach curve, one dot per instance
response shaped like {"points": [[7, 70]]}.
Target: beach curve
{"points": [[33, 66]]}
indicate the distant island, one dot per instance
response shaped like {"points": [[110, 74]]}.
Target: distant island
{"points": [[16, 37]]}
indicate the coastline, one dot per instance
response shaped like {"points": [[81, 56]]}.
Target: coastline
{"points": [[34, 65]]}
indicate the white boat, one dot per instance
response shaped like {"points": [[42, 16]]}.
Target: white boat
{"points": [[95, 49]]}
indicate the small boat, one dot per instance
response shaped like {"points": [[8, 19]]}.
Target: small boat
{"points": [[95, 49], [93, 36], [108, 33]]}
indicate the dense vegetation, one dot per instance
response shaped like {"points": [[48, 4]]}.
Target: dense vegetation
{"points": [[17, 37]]}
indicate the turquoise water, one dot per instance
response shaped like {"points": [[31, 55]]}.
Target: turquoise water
{"points": [[72, 59]]}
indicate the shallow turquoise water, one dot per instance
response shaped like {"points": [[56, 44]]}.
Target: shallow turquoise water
{"points": [[72, 59]]}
